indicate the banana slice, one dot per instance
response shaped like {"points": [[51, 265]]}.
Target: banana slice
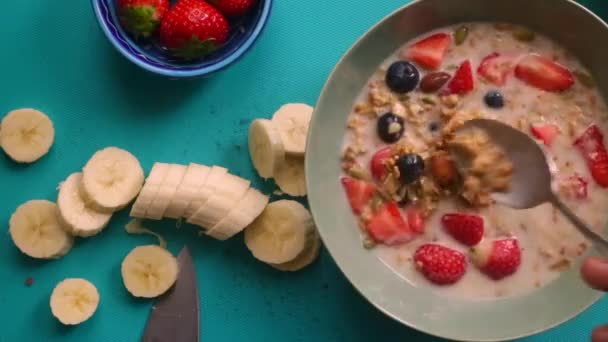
{"points": [[307, 257], [226, 195], [265, 147], [290, 177], [149, 271], [292, 121], [213, 181], [76, 211], [247, 210], [166, 191], [26, 135], [37, 231], [280, 233], [112, 178], [193, 180], [74, 301], [150, 190]]}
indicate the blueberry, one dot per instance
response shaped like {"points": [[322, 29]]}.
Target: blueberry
{"points": [[494, 99], [390, 127], [402, 77], [411, 167], [434, 126]]}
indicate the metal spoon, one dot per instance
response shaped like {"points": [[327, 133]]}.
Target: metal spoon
{"points": [[531, 180]]}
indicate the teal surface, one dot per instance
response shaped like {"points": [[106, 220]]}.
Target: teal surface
{"points": [[55, 59]]}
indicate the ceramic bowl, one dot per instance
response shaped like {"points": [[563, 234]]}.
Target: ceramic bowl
{"points": [[421, 308], [243, 34]]}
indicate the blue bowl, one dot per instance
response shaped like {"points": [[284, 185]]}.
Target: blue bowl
{"points": [[149, 56]]}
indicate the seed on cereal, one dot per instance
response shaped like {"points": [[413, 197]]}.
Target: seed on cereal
{"points": [[390, 127], [443, 169], [584, 78], [524, 35], [460, 35], [433, 81], [402, 77]]}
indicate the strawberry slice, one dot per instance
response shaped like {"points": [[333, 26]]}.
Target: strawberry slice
{"points": [[415, 219], [576, 186], [545, 132], [544, 73], [429, 52], [358, 192], [591, 145], [495, 68], [465, 228], [378, 162], [387, 226], [497, 259], [462, 82], [439, 264]]}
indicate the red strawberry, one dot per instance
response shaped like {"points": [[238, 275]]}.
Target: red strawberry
{"points": [[545, 132], [234, 8], [576, 186], [439, 264], [358, 192], [462, 82], [387, 226], [496, 68], [429, 52], [378, 162], [544, 73], [497, 259], [193, 29], [415, 219], [141, 18], [591, 146], [467, 229]]}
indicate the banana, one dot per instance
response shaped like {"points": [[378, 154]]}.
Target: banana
{"points": [[193, 180], [227, 194], [150, 190], [292, 121], [26, 135], [290, 176], [265, 147], [136, 227], [37, 231], [149, 271], [166, 191], [112, 178], [247, 210], [77, 213], [280, 233], [212, 182], [74, 301], [307, 257]]}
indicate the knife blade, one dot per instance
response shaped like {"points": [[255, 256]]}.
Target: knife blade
{"points": [[175, 317]]}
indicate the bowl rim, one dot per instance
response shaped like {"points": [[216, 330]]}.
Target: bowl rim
{"points": [[203, 71], [316, 210]]}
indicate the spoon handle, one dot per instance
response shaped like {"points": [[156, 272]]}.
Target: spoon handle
{"points": [[600, 243]]}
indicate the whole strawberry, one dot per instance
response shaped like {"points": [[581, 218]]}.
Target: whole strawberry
{"points": [[439, 264], [193, 29], [497, 259], [141, 18], [234, 8]]}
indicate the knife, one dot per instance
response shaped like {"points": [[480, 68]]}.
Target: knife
{"points": [[175, 317]]}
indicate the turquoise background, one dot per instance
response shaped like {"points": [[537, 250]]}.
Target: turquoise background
{"points": [[55, 58]]}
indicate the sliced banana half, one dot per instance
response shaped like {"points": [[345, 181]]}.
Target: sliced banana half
{"points": [[307, 257], [265, 147], [74, 301], [37, 230], [26, 135], [247, 210], [212, 183], [150, 190], [227, 194], [77, 212], [166, 191], [292, 121], [280, 233], [149, 271], [290, 176], [193, 180], [112, 178]]}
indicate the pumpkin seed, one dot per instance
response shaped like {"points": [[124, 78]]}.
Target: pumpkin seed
{"points": [[368, 243], [524, 35], [585, 78], [460, 35]]}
